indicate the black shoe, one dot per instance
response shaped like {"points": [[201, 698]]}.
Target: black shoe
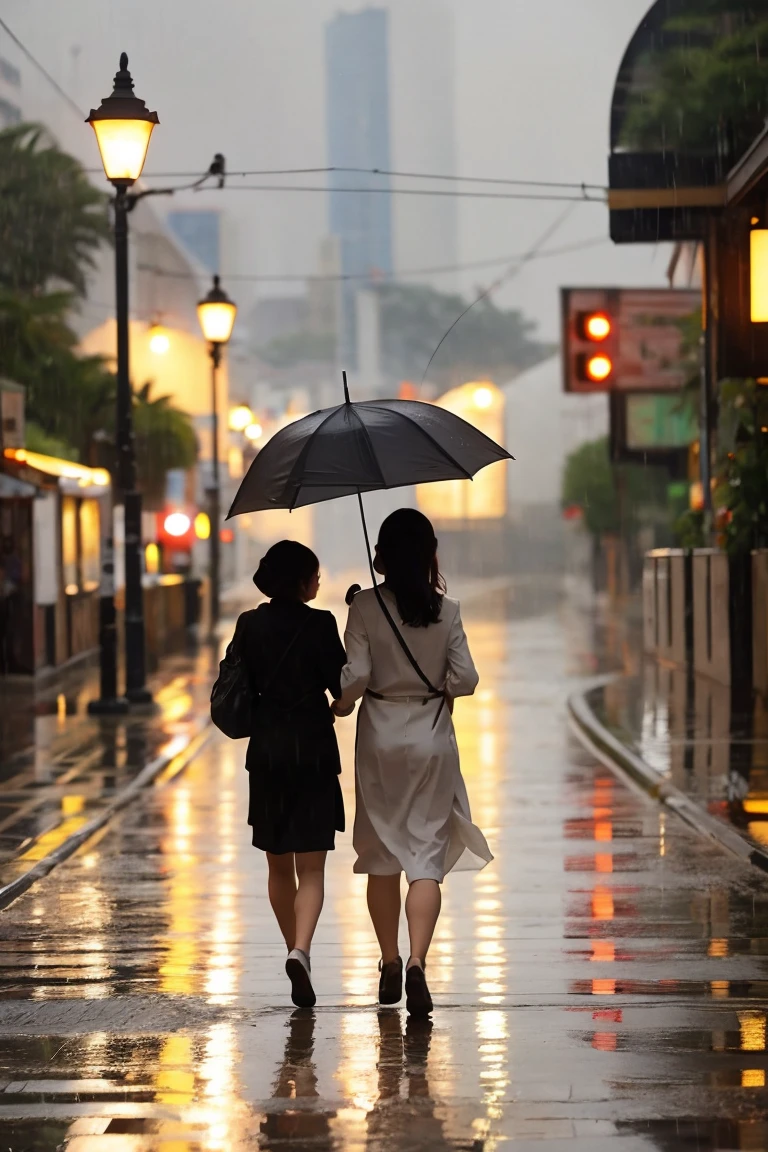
{"points": [[298, 970], [391, 982], [417, 998]]}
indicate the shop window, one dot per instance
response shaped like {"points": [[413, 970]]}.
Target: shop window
{"points": [[90, 545], [69, 565]]}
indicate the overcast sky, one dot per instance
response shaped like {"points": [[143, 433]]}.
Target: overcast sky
{"points": [[533, 87]]}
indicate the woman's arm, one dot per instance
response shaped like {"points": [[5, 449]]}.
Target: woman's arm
{"points": [[462, 678], [332, 656], [356, 674]]}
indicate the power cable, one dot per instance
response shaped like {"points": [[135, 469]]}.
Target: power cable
{"points": [[406, 273], [512, 271], [458, 195], [44, 71]]}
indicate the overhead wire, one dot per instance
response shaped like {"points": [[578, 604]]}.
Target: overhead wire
{"points": [[405, 273], [513, 270], [43, 70]]}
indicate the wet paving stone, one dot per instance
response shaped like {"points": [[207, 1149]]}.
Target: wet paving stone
{"points": [[602, 985]]}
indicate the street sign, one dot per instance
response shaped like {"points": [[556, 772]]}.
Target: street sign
{"points": [[653, 428], [625, 339]]}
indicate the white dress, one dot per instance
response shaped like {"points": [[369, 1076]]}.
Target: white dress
{"points": [[412, 809]]}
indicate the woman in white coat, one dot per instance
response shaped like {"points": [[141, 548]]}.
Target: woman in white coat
{"points": [[412, 812]]}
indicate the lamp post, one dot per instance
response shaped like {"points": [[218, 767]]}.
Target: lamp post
{"points": [[123, 127], [217, 319]]}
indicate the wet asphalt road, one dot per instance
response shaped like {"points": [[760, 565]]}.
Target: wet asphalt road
{"points": [[601, 985]]}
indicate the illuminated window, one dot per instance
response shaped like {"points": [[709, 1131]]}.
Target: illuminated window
{"points": [[69, 564], [90, 544]]}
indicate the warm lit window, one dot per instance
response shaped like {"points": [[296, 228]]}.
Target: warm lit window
{"points": [[90, 545]]}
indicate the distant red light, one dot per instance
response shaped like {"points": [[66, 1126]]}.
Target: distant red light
{"points": [[227, 536]]}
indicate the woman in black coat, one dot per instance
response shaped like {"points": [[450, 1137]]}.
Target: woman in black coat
{"points": [[293, 656]]}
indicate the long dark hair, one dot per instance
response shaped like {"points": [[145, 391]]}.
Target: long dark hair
{"points": [[408, 551], [286, 569]]}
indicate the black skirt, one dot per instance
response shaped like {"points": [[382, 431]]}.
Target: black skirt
{"points": [[295, 800]]}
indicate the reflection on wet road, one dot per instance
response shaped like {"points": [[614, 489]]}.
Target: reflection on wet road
{"points": [[601, 985]]}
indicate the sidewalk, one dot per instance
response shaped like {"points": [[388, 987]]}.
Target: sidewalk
{"points": [[64, 773], [678, 736]]}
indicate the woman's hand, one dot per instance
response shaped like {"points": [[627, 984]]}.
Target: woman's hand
{"points": [[339, 712]]}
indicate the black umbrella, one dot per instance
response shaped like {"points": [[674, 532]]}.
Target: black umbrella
{"points": [[365, 447]]}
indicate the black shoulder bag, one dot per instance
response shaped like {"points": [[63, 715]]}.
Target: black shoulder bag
{"points": [[232, 700]]}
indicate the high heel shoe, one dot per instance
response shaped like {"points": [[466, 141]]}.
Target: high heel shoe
{"points": [[391, 981], [418, 1001]]}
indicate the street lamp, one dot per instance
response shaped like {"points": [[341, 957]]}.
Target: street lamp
{"points": [[123, 128], [216, 313]]}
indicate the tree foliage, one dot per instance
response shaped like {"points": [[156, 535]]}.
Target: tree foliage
{"points": [[741, 472], [705, 88], [52, 219], [486, 342], [613, 498]]}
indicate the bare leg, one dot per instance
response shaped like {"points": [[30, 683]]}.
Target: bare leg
{"points": [[282, 894], [310, 869], [422, 908], [384, 907]]}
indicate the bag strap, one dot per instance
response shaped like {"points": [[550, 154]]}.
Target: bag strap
{"points": [[401, 641]]}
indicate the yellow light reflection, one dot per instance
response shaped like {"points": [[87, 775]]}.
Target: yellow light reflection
{"points": [[718, 949], [752, 1027], [753, 1078], [719, 989]]}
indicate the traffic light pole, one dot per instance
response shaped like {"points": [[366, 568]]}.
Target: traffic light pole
{"points": [[708, 333]]}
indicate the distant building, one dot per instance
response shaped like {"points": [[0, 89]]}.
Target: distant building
{"points": [[10, 94], [423, 111], [200, 233], [358, 126]]}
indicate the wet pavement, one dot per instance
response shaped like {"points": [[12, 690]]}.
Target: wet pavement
{"points": [[59, 766], [690, 730], [601, 985]]}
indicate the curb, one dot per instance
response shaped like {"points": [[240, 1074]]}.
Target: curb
{"points": [[599, 740], [169, 763]]}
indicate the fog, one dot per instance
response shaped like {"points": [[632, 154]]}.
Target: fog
{"points": [[533, 85]]}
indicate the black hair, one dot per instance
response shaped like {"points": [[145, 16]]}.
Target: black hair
{"points": [[408, 550], [285, 570]]}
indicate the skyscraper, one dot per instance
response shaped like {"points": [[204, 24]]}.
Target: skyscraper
{"points": [[357, 70]]}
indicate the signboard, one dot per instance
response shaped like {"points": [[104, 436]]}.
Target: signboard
{"points": [[659, 422], [626, 339], [653, 428]]}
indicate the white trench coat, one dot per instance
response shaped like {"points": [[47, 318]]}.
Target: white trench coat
{"points": [[412, 810]]}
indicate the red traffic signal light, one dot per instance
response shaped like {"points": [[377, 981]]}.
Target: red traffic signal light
{"points": [[595, 326], [597, 369], [591, 339]]}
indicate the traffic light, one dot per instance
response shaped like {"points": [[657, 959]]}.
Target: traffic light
{"points": [[590, 340]]}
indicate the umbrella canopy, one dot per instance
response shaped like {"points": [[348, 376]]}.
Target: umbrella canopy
{"points": [[356, 448]]}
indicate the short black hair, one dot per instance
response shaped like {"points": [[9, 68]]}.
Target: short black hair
{"points": [[285, 570]]}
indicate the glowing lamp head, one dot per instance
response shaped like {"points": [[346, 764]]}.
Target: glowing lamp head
{"points": [[123, 126], [599, 368], [159, 340], [177, 524], [254, 432], [240, 418], [598, 327], [216, 313], [483, 398]]}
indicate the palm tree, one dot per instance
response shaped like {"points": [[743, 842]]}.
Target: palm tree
{"points": [[165, 440], [52, 219]]}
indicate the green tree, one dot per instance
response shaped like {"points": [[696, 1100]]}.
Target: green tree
{"points": [[487, 342], [165, 440], [704, 85], [52, 219], [741, 471], [613, 498]]}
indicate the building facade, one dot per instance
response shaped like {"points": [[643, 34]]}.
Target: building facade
{"points": [[10, 94], [358, 134]]}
